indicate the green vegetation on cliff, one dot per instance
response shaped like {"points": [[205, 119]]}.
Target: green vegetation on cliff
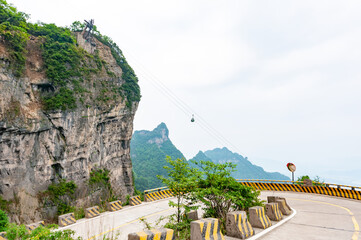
{"points": [[61, 194], [68, 67], [149, 150]]}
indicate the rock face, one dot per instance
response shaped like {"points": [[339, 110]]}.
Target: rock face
{"points": [[39, 147]]}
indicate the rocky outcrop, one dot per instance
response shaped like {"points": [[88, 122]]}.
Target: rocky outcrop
{"points": [[38, 147]]}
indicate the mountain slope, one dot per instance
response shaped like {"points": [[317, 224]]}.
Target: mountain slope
{"points": [[149, 150], [244, 168]]}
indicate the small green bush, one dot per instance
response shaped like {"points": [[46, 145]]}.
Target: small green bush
{"points": [[4, 205], [4, 221], [79, 213], [62, 99], [41, 233], [99, 179], [61, 194]]}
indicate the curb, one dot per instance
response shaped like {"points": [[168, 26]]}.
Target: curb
{"points": [[258, 235]]}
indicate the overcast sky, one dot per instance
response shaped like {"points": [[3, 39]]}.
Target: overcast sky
{"points": [[280, 80]]}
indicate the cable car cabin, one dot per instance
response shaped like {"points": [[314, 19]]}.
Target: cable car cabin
{"points": [[192, 120]]}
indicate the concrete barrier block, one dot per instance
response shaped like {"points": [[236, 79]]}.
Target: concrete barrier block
{"points": [[271, 199], [237, 225], [283, 207], [193, 215], [258, 218], [135, 200], [92, 212], [153, 234], [114, 206], [32, 226], [66, 219], [273, 212], [2, 236], [206, 229]]}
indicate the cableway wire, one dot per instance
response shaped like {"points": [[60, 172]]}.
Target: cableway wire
{"points": [[179, 103]]}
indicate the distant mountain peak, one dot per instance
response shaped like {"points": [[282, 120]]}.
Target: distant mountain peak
{"points": [[161, 134], [244, 168], [201, 156], [162, 129], [149, 150]]}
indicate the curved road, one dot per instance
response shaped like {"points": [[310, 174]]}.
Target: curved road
{"points": [[318, 217]]}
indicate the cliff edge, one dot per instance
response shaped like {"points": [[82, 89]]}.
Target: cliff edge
{"points": [[66, 109]]}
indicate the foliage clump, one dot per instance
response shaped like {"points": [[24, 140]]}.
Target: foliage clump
{"points": [[316, 181], [4, 221], [130, 87], [62, 194], [99, 180], [13, 31], [4, 204], [181, 180], [220, 193], [16, 232], [208, 183], [67, 66]]}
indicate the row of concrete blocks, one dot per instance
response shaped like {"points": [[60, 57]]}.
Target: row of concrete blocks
{"points": [[237, 224], [69, 218]]}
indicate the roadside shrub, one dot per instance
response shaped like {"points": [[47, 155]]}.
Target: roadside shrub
{"points": [[316, 181], [220, 193], [4, 221], [16, 232], [208, 183]]}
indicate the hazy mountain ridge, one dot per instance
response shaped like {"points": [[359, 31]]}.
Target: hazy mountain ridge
{"points": [[150, 148], [244, 168]]}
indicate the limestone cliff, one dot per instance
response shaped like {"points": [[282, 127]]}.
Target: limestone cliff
{"points": [[39, 146]]}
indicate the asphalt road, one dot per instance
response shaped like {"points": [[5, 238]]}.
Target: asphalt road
{"points": [[120, 223], [318, 217]]}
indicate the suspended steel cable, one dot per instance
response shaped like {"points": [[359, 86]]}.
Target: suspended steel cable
{"points": [[179, 103]]}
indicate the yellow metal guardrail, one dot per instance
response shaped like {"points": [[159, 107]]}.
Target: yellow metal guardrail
{"points": [[155, 190], [330, 189]]}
